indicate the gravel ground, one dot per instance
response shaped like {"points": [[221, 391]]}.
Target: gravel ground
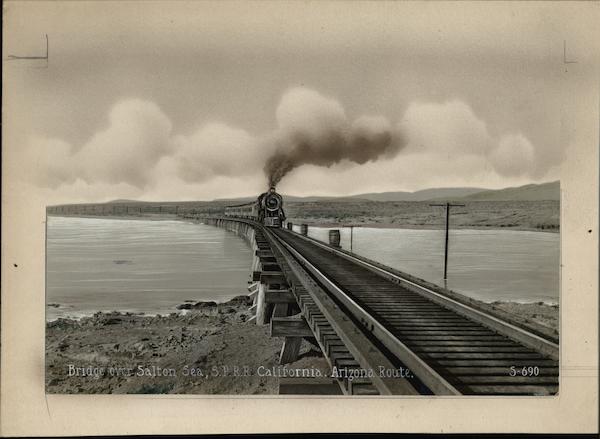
{"points": [[192, 353]]}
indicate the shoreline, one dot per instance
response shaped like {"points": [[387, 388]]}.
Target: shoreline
{"points": [[178, 309], [146, 217], [175, 312], [327, 225], [324, 225]]}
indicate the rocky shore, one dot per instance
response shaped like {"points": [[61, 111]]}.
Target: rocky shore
{"points": [[209, 349], [538, 313]]}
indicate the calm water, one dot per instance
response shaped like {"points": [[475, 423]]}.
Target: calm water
{"points": [[140, 266], [152, 266], [485, 264]]}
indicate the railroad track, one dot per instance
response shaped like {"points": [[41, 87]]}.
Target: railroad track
{"points": [[368, 318]]}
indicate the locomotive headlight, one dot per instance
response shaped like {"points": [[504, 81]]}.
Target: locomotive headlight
{"points": [[272, 202]]}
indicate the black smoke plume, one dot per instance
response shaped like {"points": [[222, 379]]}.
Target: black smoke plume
{"points": [[314, 131]]}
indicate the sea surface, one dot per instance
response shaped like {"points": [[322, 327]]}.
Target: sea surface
{"points": [[488, 265], [140, 265], [153, 266]]}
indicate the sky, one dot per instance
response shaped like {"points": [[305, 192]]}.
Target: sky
{"points": [[192, 100]]}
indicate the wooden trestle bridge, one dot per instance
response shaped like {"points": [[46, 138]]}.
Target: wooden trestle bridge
{"points": [[375, 323]]}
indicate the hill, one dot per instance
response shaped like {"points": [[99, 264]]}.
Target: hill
{"points": [[422, 195], [530, 192], [295, 199]]}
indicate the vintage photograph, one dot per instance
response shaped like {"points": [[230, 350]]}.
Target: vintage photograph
{"points": [[242, 205]]}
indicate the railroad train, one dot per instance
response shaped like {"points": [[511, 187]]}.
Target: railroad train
{"points": [[267, 209]]}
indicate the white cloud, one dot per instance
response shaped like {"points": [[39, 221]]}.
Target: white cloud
{"points": [[513, 156], [138, 135], [138, 156], [125, 152], [305, 111], [452, 130], [447, 128], [138, 149], [216, 149]]}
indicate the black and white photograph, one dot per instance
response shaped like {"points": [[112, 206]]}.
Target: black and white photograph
{"points": [[348, 200]]}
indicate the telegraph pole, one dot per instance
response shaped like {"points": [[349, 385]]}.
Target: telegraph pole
{"points": [[447, 206], [352, 226]]}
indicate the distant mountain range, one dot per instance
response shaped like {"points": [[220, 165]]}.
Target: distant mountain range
{"points": [[529, 192], [422, 195], [293, 199]]}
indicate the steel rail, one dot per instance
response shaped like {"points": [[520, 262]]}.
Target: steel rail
{"points": [[433, 380], [363, 349], [520, 335]]}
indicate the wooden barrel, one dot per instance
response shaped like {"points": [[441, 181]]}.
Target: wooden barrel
{"points": [[304, 229], [334, 238]]}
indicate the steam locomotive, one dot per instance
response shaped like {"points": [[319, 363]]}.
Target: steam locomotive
{"points": [[267, 209]]}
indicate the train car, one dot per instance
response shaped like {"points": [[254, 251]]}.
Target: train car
{"points": [[267, 209], [247, 211]]}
